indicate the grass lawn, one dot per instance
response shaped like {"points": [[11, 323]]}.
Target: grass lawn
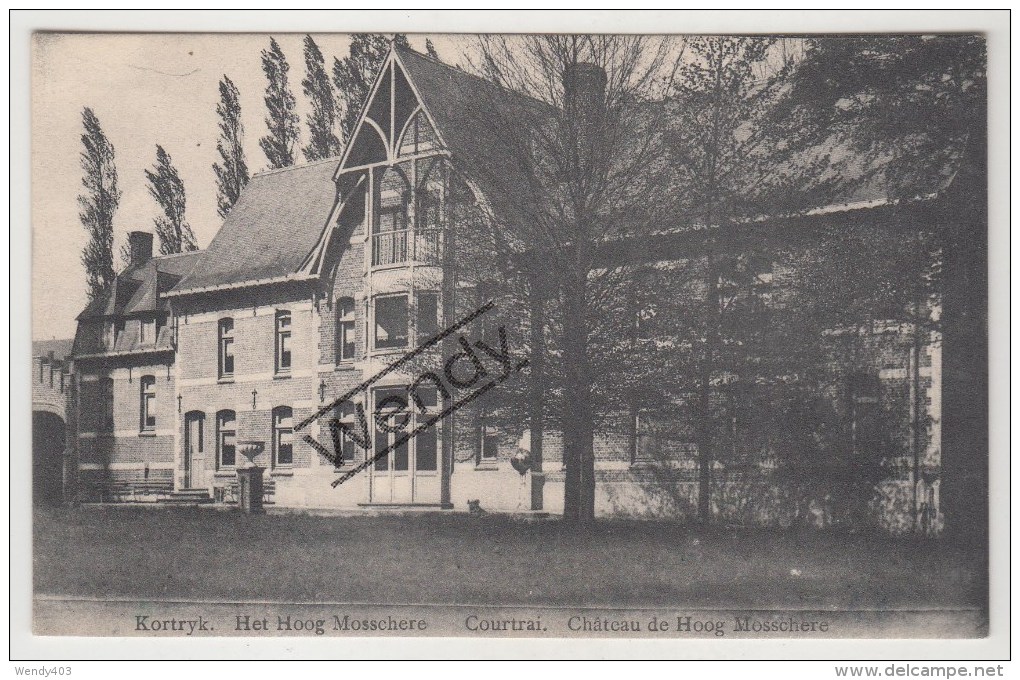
{"points": [[169, 553]]}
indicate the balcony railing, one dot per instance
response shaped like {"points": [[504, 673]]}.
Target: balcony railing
{"points": [[394, 247]]}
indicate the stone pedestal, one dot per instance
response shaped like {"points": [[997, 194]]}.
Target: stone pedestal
{"points": [[249, 481]]}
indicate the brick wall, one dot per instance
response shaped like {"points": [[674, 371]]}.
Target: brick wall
{"points": [[256, 387]]}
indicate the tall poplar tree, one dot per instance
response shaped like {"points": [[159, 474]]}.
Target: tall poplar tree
{"points": [[430, 49], [281, 120], [232, 172], [322, 120], [355, 73], [97, 204], [166, 187]]}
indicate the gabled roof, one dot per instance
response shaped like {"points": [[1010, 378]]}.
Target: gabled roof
{"points": [[270, 230], [481, 124], [138, 290], [141, 288]]}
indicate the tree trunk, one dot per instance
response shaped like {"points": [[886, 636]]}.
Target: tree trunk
{"points": [[703, 431], [578, 426], [537, 406], [704, 436]]}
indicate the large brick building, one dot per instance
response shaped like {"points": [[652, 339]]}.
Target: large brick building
{"points": [[323, 274]]}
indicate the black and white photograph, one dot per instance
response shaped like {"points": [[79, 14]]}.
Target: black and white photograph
{"points": [[676, 335]]}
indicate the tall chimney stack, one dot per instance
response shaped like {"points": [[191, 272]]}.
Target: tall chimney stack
{"points": [[584, 101], [140, 245]]}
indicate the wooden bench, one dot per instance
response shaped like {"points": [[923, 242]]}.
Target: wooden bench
{"points": [[153, 487], [231, 493], [126, 490]]}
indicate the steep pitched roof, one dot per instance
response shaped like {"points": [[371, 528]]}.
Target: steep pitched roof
{"points": [[271, 229], [136, 290], [481, 124], [140, 288]]}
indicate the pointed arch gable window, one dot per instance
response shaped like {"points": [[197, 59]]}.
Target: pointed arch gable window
{"points": [[226, 348], [148, 403], [283, 436], [345, 334], [419, 136], [226, 440], [283, 343]]}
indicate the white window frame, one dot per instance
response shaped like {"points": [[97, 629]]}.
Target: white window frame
{"points": [[284, 341]]}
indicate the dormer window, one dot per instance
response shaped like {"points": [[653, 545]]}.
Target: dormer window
{"points": [[119, 327], [147, 331]]}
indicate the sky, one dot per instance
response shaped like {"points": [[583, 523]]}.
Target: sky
{"points": [[146, 89]]}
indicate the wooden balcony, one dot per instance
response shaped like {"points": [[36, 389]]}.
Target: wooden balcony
{"points": [[407, 245]]}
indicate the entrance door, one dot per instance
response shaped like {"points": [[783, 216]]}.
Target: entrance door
{"points": [[194, 450], [408, 472]]}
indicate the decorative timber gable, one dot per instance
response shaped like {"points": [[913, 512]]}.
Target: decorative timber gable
{"points": [[394, 124]]}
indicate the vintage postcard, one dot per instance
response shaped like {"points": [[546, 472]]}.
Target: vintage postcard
{"points": [[676, 336]]}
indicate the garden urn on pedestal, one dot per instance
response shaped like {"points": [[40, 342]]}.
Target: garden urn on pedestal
{"points": [[249, 477]]}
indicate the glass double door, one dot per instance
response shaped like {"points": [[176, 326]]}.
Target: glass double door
{"points": [[406, 467]]}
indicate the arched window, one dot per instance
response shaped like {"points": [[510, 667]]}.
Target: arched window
{"points": [[226, 438], [283, 436], [283, 346], [345, 329], [226, 345], [148, 403]]}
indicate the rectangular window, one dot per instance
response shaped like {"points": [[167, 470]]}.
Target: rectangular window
{"points": [[148, 410], [489, 444], [119, 326], [226, 332], [391, 322], [283, 436], [428, 316], [346, 413], [283, 356], [345, 329], [226, 439], [393, 218], [147, 331], [428, 210]]}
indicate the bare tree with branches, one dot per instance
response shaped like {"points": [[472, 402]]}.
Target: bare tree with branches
{"points": [[579, 168]]}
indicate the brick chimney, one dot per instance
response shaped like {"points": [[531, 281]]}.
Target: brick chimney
{"points": [[140, 245], [584, 101]]}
